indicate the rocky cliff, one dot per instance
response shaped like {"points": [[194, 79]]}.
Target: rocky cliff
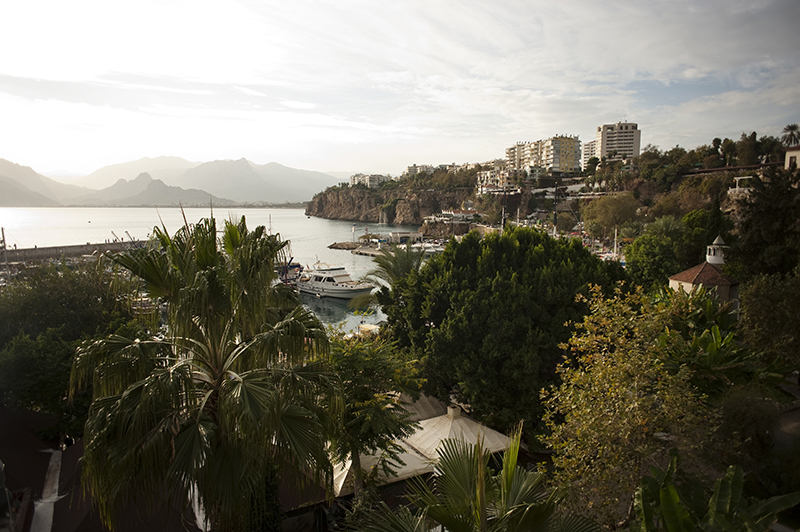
{"points": [[396, 207]]}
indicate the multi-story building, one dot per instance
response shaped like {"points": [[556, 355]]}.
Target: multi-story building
{"points": [[421, 169], [497, 177], [589, 151], [559, 154], [618, 141], [372, 181], [562, 154]]}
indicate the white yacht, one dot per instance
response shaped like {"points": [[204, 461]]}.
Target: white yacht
{"points": [[324, 280]]}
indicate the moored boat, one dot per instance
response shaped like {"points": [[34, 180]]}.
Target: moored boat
{"points": [[324, 280]]}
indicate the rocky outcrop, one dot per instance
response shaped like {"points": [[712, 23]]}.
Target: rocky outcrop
{"points": [[395, 207]]}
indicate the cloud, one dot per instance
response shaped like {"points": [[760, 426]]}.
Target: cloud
{"points": [[385, 84], [297, 105]]}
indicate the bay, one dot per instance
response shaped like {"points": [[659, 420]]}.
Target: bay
{"points": [[309, 237]]}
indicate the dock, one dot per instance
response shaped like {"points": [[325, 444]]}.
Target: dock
{"points": [[10, 255]]}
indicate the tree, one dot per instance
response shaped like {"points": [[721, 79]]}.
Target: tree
{"points": [[80, 297], [390, 266], [769, 318], [769, 226], [747, 149], [728, 151], [45, 314], [487, 315], [612, 211], [225, 395], [650, 260], [791, 135], [465, 495], [591, 165], [618, 406], [371, 377], [665, 227]]}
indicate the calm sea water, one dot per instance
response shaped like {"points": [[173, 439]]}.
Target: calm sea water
{"points": [[309, 236]]}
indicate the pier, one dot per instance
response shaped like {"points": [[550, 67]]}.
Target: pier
{"points": [[10, 255]]}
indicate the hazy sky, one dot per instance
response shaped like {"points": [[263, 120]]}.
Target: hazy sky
{"points": [[374, 86]]}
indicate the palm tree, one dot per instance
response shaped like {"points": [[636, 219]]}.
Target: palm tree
{"points": [[465, 495], [666, 227], [207, 409], [791, 135], [391, 265]]}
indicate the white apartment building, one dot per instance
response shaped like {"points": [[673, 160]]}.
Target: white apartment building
{"points": [[421, 169], [372, 181], [589, 151], [623, 137], [561, 153]]}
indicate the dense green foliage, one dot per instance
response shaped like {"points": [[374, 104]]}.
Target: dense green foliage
{"points": [[618, 405], [486, 318], [45, 314], [611, 211], [769, 226], [226, 394], [770, 318], [651, 260], [666, 502], [649, 374]]}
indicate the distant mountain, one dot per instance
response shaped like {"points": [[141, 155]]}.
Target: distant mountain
{"points": [[165, 168], [120, 190], [244, 181], [144, 190], [32, 181], [13, 194], [241, 180], [159, 194]]}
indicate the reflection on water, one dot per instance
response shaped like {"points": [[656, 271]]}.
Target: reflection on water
{"points": [[337, 313]]}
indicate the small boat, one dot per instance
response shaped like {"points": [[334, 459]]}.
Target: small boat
{"points": [[289, 272], [324, 280]]}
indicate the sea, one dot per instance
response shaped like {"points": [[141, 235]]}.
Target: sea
{"points": [[309, 238]]}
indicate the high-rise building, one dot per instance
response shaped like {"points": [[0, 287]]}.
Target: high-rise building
{"points": [[560, 154], [618, 141]]}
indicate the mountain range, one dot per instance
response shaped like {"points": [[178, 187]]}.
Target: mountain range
{"points": [[163, 181]]}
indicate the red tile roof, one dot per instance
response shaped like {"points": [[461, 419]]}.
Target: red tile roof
{"points": [[705, 274]]}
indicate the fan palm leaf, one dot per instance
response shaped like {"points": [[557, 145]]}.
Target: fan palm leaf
{"points": [[224, 393]]}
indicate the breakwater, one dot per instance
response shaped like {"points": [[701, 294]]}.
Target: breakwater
{"points": [[57, 252]]}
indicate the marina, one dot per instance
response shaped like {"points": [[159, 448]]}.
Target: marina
{"points": [[69, 230]]}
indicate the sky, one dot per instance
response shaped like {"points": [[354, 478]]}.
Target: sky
{"points": [[374, 86]]}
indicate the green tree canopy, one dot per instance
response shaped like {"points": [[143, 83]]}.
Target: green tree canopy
{"points": [[650, 261], [487, 315], [618, 406], [770, 318], [210, 407], [45, 314], [769, 226], [612, 211]]}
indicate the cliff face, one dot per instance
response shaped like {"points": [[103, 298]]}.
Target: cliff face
{"points": [[397, 207]]}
